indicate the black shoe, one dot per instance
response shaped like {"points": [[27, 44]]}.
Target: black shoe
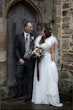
{"points": [[27, 98], [18, 96]]}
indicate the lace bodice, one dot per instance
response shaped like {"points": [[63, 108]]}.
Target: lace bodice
{"points": [[47, 45]]}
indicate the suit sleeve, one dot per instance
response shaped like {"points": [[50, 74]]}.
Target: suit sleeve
{"points": [[16, 47]]}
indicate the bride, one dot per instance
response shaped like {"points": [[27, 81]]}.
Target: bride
{"points": [[45, 91]]}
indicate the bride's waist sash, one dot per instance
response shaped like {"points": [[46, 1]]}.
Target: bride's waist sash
{"points": [[45, 53]]}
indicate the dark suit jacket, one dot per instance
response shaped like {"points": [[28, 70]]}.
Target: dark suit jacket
{"points": [[19, 47]]}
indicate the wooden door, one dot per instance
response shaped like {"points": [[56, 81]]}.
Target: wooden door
{"points": [[10, 53], [17, 15]]}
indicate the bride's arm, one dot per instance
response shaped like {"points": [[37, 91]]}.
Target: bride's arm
{"points": [[37, 41], [44, 46], [52, 50]]}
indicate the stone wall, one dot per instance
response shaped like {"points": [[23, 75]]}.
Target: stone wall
{"points": [[45, 6], [63, 17], [66, 47], [2, 57], [62, 26]]}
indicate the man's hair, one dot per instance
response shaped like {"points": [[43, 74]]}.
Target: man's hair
{"points": [[25, 24]]}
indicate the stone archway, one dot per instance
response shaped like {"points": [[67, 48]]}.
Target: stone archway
{"points": [[16, 14], [10, 3]]}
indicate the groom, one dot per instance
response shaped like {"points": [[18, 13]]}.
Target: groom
{"points": [[24, 65]]}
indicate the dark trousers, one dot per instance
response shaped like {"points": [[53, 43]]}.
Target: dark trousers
{"points": [[25, 71]]}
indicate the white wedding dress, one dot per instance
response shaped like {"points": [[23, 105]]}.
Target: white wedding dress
{"points": [[45, 91]]}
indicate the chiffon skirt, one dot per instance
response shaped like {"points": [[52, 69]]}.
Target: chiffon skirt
{"points": [[45, 91]]}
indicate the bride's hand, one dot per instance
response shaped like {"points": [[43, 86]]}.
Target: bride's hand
{"points": [[39, 46]]}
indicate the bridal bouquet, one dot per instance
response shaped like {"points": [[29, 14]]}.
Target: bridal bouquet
{"points": [[36, 52]]}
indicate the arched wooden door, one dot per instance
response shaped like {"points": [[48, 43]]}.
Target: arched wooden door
{"points": [[17, 15]]}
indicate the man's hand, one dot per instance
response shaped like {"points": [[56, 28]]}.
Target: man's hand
{"points": [[21, 61]]}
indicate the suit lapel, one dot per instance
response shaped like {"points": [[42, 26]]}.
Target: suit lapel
{"points": [[31, 41], [23, 39]]}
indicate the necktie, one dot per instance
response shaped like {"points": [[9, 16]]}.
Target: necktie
{"points": [[26, 37], [27, 46]]}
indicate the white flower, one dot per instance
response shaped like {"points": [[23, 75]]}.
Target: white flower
{"points": [[32, 38]]}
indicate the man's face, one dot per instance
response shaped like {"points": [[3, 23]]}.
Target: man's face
{"points": [[29, 28]]}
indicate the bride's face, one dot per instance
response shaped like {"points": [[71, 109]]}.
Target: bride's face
{"points": [[42, 32]]}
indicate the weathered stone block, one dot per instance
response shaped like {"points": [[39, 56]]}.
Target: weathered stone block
{"points": [[71, 43], [66, 36], [72, 36], [4, 92], [58, 11], [67, 31], [65, 0], [65, 81], [69, 58], [2, 69], [71, 11], [3, 88], [2, 56], [2, 39], [64, 13], [63, 73], [57, 2], [65, 44], [65, 25], [66, 5], [58, 19], [64, 86], [66, 19]]}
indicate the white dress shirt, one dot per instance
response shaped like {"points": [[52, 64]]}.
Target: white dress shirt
{"points": [[27, 45]]}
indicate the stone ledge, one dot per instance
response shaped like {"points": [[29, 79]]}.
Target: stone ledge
{"points": [[2, 56]]}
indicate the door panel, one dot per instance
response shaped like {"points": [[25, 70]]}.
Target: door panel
{"points": [[20, 13], [10, 53], [17, 15]]}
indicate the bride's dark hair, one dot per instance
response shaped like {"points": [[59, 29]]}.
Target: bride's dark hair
{"points": [[47, 32], [42, 40]]}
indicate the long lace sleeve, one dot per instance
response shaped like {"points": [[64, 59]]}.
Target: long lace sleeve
{"points": [[37, 40], [48, 43], [54, 40]]}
